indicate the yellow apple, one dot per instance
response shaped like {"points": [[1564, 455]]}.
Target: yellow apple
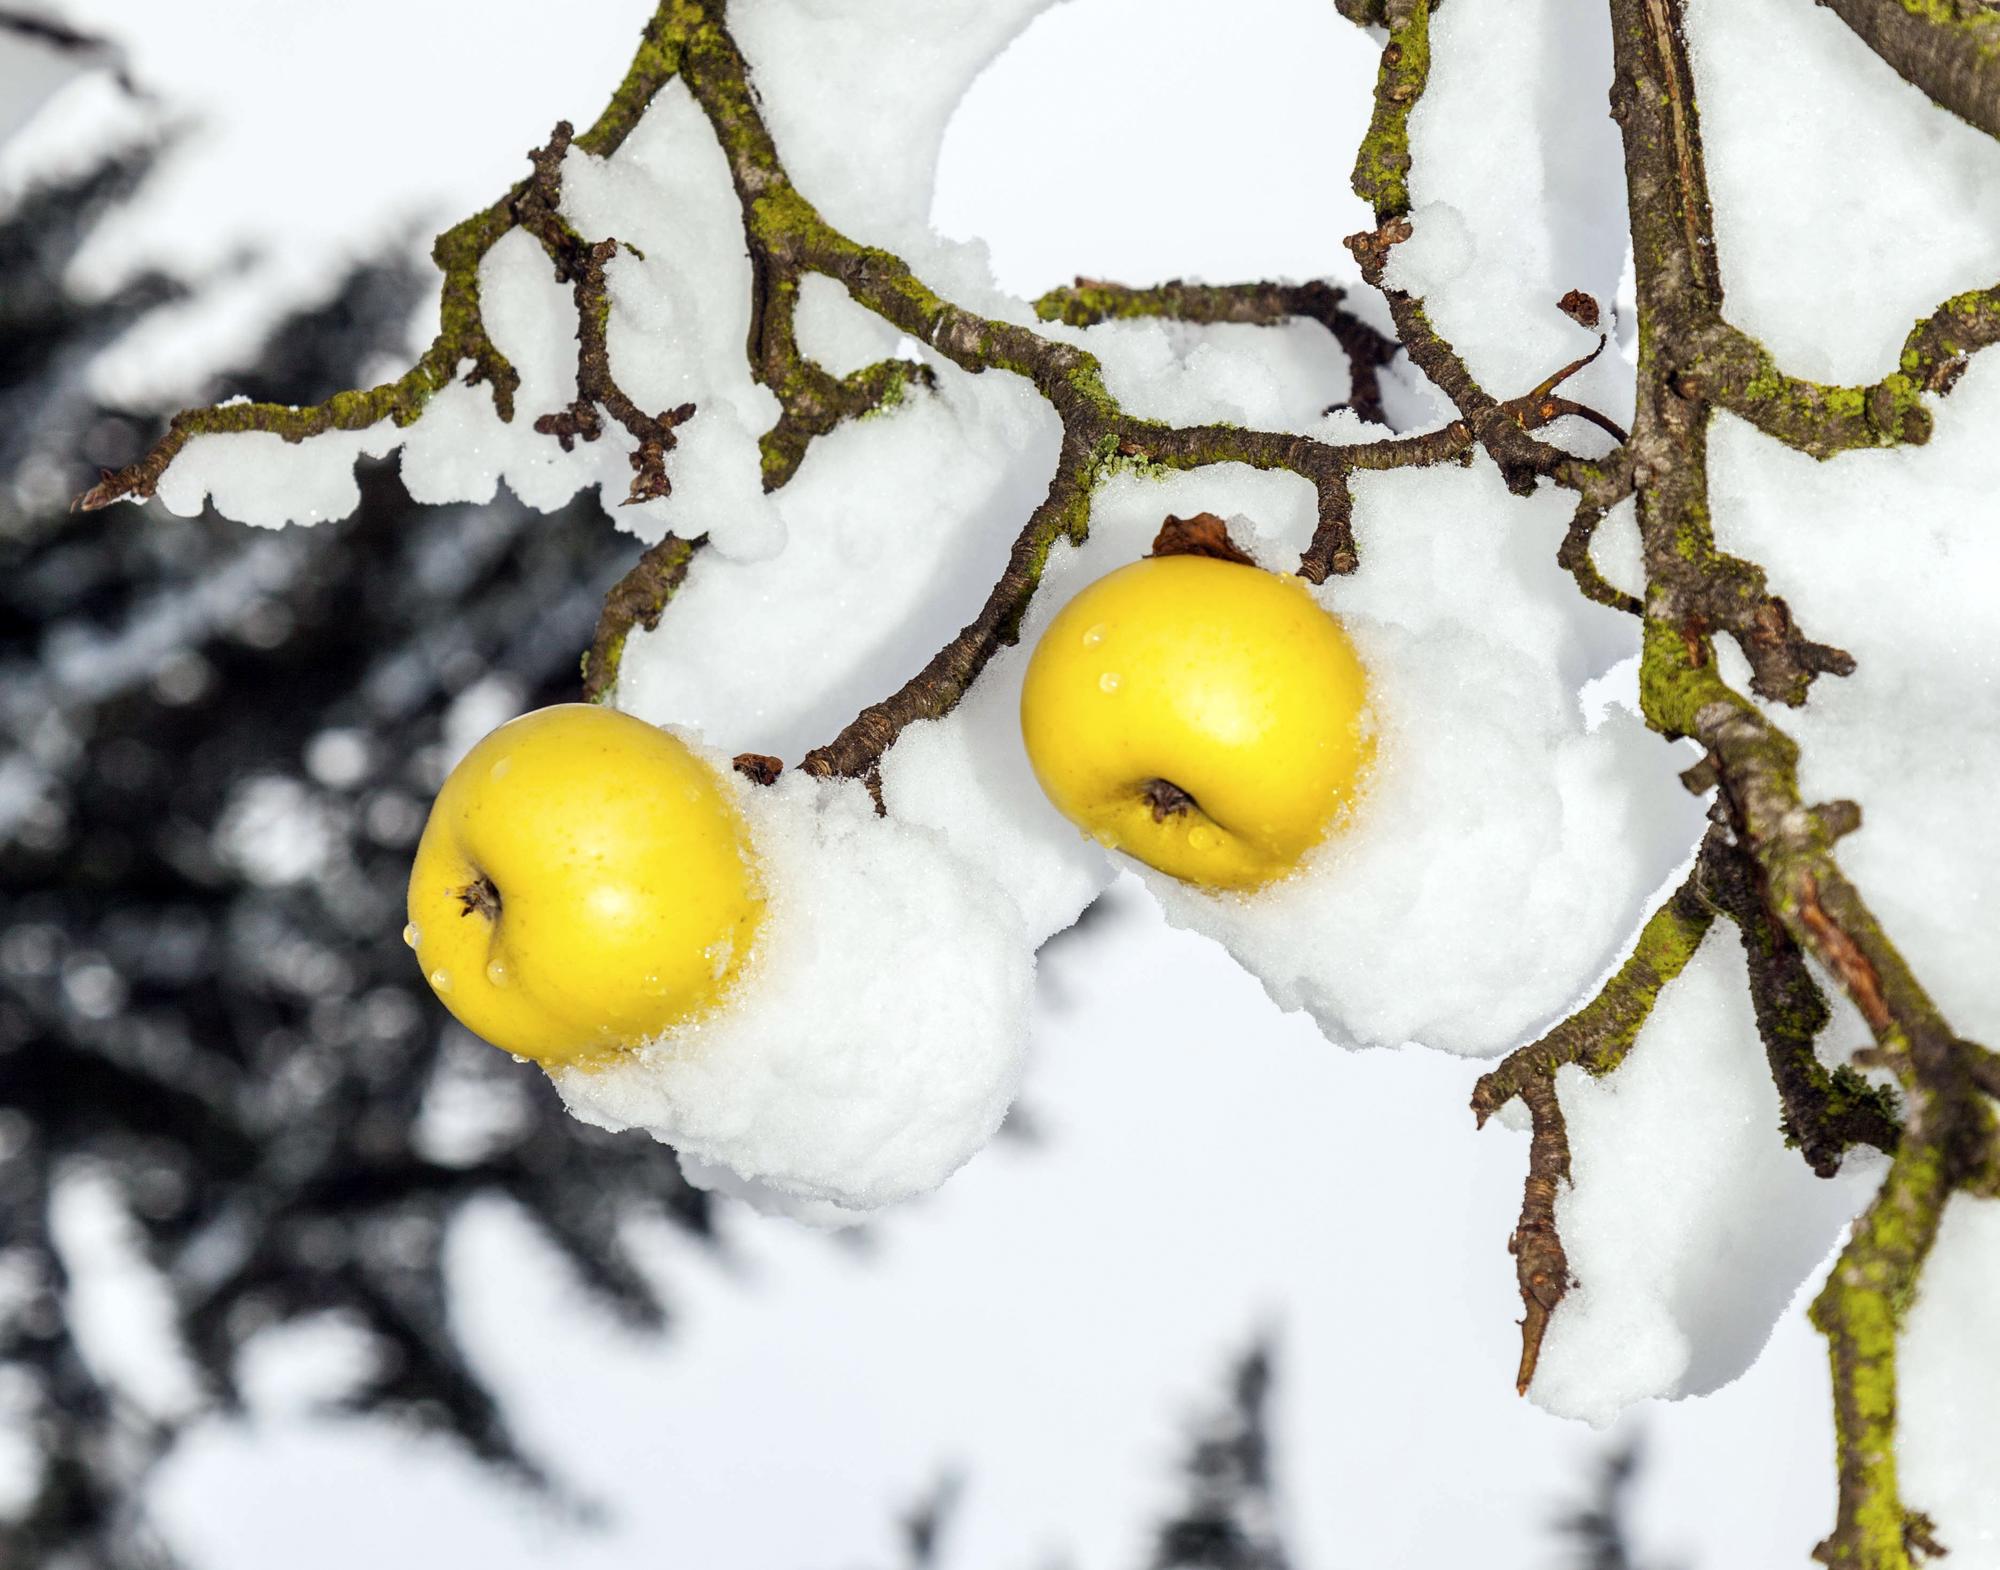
{"points": [[584, 882], [1203, 716]]}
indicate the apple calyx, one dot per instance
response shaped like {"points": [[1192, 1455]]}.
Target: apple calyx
{"points": [[481, 896], [1167, 799], [1202, 535]]}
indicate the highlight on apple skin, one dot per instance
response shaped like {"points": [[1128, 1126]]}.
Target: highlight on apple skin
{"points": [[584, 882], [1206, 717]]}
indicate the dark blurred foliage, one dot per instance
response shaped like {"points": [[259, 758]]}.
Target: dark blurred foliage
{"points": [[1598, 1531], [217, 747], [1226, 1519]]}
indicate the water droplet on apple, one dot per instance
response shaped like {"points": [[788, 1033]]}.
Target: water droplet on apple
{"points": [[1108, 681], [499, 770], [411, 936], [1094, 636], [1104, 837], [440, 981], [1201, 838], [498, 974]]}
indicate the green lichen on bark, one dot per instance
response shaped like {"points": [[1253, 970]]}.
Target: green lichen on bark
{"points": [[1597, 1036], [461, 337], [1382, 164], [1677, 677], [1949, 49], [1860, 1311], [1818, 418], [654, 64], [637, 600]]}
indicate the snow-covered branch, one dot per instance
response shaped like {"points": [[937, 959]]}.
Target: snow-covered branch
{"points": [[1595, 1038], [1693, 589], [1768, 863]]}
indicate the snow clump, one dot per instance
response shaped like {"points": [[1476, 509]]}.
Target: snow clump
{"points": [[875, 1038]]}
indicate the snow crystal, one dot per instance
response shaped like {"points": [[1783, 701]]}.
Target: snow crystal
{"points": [[841, 335], [1948, 1386], [876, 1037], [1687, 1223], [460, 449], [1617, 552], [718, 479], [967, 777], [859, 135], [1282, 377], [1438, 251], [761, 1197]]}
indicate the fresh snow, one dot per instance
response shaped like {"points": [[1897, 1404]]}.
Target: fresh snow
{"points": [[874, 1039]]}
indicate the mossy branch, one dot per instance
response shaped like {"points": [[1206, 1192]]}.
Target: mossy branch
{"points": [[635, 600], [1573, 556], [1825, 1113], [1091, 300], [1947, 1139], [788, 238], [461, 335], [1824, 419], [1382, 163], [1381, 179], [1596, 1039], [581, 263], [1949, 49]]}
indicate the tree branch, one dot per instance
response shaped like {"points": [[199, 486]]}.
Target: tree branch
{"points": [[1949, 49], [1947, 1138], [581, 264], [1093, 300], [1825, 1113], [461, 332], [1595, 1038], [1381, 179], [1823, 419], [635, 600]]}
